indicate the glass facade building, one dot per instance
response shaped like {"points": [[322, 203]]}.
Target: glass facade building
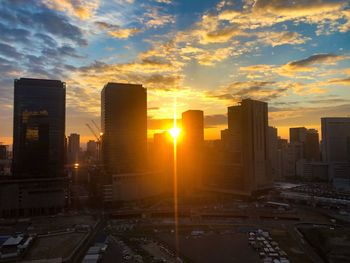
{"points": [[39, 128]]}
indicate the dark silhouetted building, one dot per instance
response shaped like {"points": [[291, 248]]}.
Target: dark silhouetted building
{"points": [[297, 138], [3, 152], [306, 142], [312, 145], [91, 148], [5, 162], [248, 127], [297, 134], [244, 168], [335, 139], [39, 185], [73, 148], [273, 151], [124, 127], [336, 149], [39, 128], [191, 158]]}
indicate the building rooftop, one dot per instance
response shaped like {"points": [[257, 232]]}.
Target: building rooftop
{"points": [[13, 241]]}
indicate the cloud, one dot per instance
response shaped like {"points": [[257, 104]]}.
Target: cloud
{"points": [[116, 31], [155, 18], [344, 82], [292, 68], [328, 16], [211, 57], [9, 51], [307, 115], [259, 90], [164, 1], [327, 59], [83, 9], [220, 35], [281, 38], [14, 34], [57, 25], [308, 64]]}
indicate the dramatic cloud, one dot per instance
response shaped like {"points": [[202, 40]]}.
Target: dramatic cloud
{"points": [[117, 31], [290, 69], [83, 9]]}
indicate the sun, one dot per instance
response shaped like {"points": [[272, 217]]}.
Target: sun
{"points": [[175, 132]]}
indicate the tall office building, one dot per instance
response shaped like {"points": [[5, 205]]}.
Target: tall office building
{"points": [[91, 148], [297, 138], [39, 186], [124, 127], [312, 145], [336, 150], [192, 149], [306, 143], [297, 134], [273, 151], [3, 152], [335, 139], [39, 127], [73, 148], [248, 129]]}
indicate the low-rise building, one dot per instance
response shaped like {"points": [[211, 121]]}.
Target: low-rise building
{"points": [[32, 197]]}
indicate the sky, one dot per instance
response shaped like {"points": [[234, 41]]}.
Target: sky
{"points": [[209, 54]]}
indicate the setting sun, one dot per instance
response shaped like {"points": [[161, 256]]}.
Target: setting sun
{"points": [[175, 132]]}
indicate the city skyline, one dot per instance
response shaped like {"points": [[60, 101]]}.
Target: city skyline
{"points": [[209, 55]]}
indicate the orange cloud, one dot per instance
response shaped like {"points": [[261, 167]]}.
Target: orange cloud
{"points": [[83, 9]]}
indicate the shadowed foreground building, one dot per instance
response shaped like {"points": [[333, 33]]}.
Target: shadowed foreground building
{"points": [[336, 149], [73, 148], [38, 128], [38, 185], [191, 150], [244, 168], [124, 127], [124, 143]]}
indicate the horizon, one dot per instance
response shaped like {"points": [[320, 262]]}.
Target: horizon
{"points": [[209, 55]]}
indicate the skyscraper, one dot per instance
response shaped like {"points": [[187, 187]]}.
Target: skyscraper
{"points": [[91, 148], [124, 127], [297, 134], [39, 127], [73, 148], [306, 143], [312, 145], [192, 149], [335, 139], [248, 129], [273, 151]]}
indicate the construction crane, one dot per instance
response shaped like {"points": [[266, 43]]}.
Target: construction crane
{"points": [[97, 127], [97, 137], [93, 132]]}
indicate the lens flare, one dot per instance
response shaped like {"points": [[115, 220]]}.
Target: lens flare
{"points": [[175, 132]]}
